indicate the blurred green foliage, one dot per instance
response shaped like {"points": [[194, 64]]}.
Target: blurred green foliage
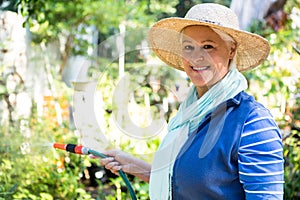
{"points": [[292, 165], [31, 169]]}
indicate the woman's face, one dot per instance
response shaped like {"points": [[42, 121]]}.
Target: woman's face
{"points": [[205, 56]]}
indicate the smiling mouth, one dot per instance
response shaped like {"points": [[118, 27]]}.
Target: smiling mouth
{"points": [[199, 68]]}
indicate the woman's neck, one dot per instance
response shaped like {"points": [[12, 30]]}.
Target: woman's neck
{"points": [[201, 91]]}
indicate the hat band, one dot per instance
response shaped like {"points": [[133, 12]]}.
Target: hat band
{"points": [[207, 21]]}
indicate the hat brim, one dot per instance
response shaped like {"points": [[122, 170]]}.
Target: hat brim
{"points": [[164, 40]]}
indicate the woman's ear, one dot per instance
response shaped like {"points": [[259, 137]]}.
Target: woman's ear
{"points": [[232, 50]]}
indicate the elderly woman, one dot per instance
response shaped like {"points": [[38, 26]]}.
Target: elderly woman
{"points": [[221, 144]]}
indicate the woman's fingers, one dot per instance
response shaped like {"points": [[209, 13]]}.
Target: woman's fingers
{"points": [[111, 164], [105, 161], [116, 161]]}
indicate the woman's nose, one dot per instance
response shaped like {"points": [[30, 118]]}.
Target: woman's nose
{"points": [[198, 56]]}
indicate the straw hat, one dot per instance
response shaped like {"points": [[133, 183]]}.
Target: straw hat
{"points": [[164, 36]]}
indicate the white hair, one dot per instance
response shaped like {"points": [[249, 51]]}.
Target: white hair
{"points": [[228, 40], [224, 36]]}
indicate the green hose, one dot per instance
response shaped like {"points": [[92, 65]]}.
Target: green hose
{"points": [[121, 173]]}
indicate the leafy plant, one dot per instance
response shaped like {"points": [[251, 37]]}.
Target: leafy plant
{"points": [[292, 165]]}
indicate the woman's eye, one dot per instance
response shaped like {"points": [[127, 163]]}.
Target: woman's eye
{"points": [[188, 48], [208, 46]]}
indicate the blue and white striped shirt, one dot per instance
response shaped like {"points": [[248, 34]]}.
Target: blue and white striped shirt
{"points": [[245, 162], [260, 160]]}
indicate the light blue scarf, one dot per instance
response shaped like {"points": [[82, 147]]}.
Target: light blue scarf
{"points": [[186, 121]]}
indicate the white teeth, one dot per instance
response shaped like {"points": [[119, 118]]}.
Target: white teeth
{"points": [[199, 68]]}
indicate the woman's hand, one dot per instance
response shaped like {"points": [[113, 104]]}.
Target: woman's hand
{"points": [[117, 160]]}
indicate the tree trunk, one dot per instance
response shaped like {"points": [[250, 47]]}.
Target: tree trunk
{"points": [[250, 10]]}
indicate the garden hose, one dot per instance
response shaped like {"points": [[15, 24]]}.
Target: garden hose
{"points": [[77, 149]]}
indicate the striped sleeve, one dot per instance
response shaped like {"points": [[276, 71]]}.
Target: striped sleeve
{"points": [[260, 159]]}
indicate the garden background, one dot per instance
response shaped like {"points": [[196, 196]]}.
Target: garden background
{"points": [[57, 57]]}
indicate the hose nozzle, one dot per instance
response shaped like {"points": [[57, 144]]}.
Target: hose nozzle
{"points": [[73, 148]]}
